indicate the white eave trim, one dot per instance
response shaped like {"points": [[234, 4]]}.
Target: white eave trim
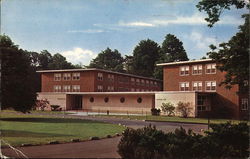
{"points": [[183, 62]]}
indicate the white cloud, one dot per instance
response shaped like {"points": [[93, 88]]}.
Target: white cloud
{"points": [[87, 31], [79, 55], [136, 24], [201, 41]]}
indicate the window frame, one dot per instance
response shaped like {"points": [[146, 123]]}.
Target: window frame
{"points": [[185, 70], [185, 83]]}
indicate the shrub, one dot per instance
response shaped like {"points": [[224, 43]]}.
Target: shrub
{"points": [[155, 111], [225, 141], [168, 108], [55, 107], [184, 108], [42, 104]]}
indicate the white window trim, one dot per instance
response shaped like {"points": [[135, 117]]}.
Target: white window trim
{"points": [[197, 85], [210, 86], [184, 70], [184, 87], [211, 68], [246, 101], [74, 75], [197, 70]]}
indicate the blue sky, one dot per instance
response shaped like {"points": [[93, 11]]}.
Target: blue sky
{"points": [[80, 29]]}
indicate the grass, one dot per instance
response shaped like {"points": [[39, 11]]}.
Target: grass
{"points": [[18, 129], [174, 119], [37, 112]]}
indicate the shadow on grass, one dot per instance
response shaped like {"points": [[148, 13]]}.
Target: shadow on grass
{"points": [[18, 133], [48, 120]]}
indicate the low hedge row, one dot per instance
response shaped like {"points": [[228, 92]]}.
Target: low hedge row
{"points": [[224, 141]]}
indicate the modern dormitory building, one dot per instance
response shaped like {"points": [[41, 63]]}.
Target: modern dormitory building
{"points": [[202, 76], [196, 82]]}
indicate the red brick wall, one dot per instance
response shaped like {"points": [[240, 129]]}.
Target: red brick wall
{"points": [[224, 96]]}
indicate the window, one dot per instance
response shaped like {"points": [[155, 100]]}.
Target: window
{"points": [[142, 82], [197, 69], [106, 99], [66, 76], [99, 88], [123, 79], [110, 88], [139, 100], [184, 86], [210, 85], [57, 77], [122, 99], [155, 83], [57, 88], [132, 89], [244, 104], [132, 80], [147, 82], [100, 76], [210, 68], [76, 76], [137, 90], [184, 70], [66, 88], [197, 86], [202, 103], [111, 77], [76, 88], [137, 81], [91, 99], [151, 83]]}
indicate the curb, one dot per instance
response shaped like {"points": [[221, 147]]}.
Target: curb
{"points": [[175, 122]]}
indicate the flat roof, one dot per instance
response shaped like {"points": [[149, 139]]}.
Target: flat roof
{"points": [[184, 62], [96, 69]]}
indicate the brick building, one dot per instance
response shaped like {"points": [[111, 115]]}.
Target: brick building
{"points": [[202, 76]]}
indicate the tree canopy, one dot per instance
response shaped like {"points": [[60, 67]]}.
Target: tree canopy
{"points": [[145, 54], [108, 60]]}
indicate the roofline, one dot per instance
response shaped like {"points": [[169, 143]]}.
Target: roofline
{"points": [[95, 69], [183, 62]]}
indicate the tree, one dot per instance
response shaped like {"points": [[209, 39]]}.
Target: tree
{"points": [[108, 60], [17, 77], [59, 62], [184, 108], [171, 50], [168, 108], [145, 54], [215, 8], [234, 54]]}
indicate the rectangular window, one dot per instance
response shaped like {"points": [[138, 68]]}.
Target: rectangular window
{"points": [[76, 76], [76, 88], [197, 69], [244, 104], [57, 77], [66, 76], [142, 82], [99, 88], [66, 88], [100, 76], [132, 89], [202, 103], [184, 70], [111, 77], [147, 83], [110, 88], [210, 85], [137, 81], [197, 86], [184, 86], [57, 88], [151, 83], [211, 68], [155, 83]]}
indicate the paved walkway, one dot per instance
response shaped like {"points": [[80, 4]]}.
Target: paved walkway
{"points": [[105, 148]]}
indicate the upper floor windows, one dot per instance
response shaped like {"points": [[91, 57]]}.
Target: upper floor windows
{"points": [[57, 88], [211, 68], [197, 86], [184, 86], [57, 77], [210, 85], [76, 76], [100, 76], [111, 77], [66, 76], [76, 88], [197, 69], [244, 104], [184, 70]]}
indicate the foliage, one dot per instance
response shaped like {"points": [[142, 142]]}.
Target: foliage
{"points": [[55, 107], [222, 142], [234, 56], [18, 77], [168, 108], [42, 104], [108, 60], [155, 111], [145, 54], [184, 108], [215, 8], [171, 50]]}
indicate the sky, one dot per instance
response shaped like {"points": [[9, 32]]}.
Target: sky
{"points": [[80, 29]]}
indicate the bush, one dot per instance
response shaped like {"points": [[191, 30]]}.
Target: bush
{"points": [[168, 108], [55, 107], [42, 104], [184, 108], [225, 141], [155, 111]]}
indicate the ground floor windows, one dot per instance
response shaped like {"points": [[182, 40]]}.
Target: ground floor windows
{"points": [[210, 85], [66, 88], [122, 99], [184, 86], [203, 103], [57, 88], [139, 100], [99, 88], [244, 104], [197, 86], [76, 88], [91, 99], [106, 99]]}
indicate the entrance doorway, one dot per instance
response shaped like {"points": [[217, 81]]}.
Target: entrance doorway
{"points": [[77, 102]]}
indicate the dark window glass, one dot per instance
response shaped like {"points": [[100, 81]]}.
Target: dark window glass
{"points": [[91, 99], [122, 100], [139, 100], [106, 99]]}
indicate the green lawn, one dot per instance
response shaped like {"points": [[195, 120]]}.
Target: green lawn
{"points": [[33, 129], [173, 119]]}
